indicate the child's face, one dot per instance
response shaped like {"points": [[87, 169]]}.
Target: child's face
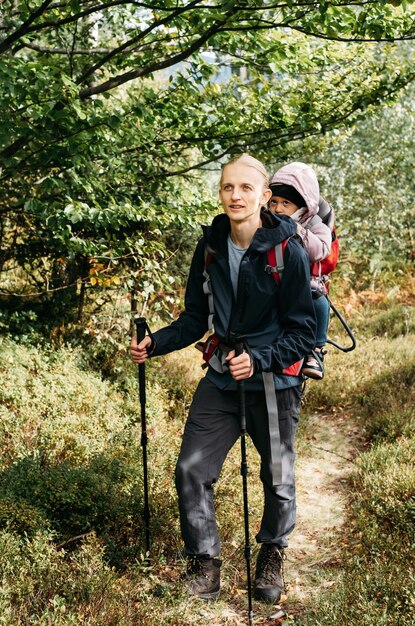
{"points": [[278, 204]]}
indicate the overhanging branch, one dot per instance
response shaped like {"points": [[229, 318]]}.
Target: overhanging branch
{"points": [[116, 81]]}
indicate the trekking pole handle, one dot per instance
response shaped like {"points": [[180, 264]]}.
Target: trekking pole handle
{"points": [[140, 326], [239, 348]]}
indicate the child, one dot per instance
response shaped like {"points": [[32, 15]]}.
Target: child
{"points": [[295, 192]]}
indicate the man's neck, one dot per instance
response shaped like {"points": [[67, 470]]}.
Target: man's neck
{"points": [[242, 233]]}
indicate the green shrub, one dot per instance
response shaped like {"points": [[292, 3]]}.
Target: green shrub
{"points": [[47, 403], [75, 499], [70, 452], [104, 496], [349, 375], [396, 321], [17, 516], [42, 585], [371, 591], [384, 495], [22, 326], [387, 402]]}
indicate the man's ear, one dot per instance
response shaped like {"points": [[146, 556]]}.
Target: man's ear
{"points": [[266, 196]]}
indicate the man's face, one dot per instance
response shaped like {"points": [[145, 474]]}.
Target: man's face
{"points": [[279, 205], [242, 192]]}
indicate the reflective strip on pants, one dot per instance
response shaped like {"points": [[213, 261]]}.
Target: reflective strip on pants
{"points": [[274, 429]]}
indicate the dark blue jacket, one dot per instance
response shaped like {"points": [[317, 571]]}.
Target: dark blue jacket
{"points": [[277, 321]]}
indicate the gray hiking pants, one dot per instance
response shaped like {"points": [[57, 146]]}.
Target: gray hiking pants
{"points": [[211, 430]]}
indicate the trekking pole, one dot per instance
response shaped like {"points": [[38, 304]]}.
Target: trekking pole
{"points": [[141, 326], [346, 328], [244, 472]]}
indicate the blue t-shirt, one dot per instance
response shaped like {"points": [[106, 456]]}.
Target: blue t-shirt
{"points": [[235, 255]]}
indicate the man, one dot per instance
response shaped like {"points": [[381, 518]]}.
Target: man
{"points": [[278, 326]]}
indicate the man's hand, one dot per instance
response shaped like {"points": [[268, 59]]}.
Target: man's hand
{"points": [[240, 366], [139, 351]]}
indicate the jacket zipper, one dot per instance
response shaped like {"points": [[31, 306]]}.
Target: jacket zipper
{"points": [[242, 288]]}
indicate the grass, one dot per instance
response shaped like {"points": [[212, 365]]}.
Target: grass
{"points": [[376, 387], [71, 522]]}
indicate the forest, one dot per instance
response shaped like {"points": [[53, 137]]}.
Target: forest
{"points": [[115, 119]]}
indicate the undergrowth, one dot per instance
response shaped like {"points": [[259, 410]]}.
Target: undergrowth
{"points": [[71, 488], [375, 386]]}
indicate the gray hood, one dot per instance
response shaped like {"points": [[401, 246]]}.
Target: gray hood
{"points": [[303, 178]]}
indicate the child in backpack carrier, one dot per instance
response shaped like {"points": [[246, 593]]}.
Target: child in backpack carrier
{"points": [[296, 192]]}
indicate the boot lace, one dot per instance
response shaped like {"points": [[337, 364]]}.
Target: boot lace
{"points": [[197, 567], [271, 566]]}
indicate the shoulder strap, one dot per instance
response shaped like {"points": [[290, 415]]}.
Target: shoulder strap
{"points": [[207, 289], [314, 220], [275, 258]]}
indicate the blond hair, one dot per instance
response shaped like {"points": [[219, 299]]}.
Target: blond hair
{"points": [[250, 161]]}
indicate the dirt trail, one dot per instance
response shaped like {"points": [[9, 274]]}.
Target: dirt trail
{"points": [[323, 465], [322, 472]]}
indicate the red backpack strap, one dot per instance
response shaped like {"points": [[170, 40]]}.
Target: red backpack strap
{"points": [[275, 258], [329, 264]]}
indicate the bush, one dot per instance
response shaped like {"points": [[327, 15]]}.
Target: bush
{"points": [[396, 321], [44, 586], [19, 517], [105, 495], [384, 495], [349, 376], [371, 590], [75, 499], [70, 452], [48, 404], [22, 326], [387, 403]]}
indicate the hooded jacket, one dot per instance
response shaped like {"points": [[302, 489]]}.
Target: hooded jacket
{"points": [[315, 235], [277, 322]]}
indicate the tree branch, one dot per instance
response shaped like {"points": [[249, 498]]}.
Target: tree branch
{"points": [[149, 69], [64, 51], [133, 41], [24, 28]]}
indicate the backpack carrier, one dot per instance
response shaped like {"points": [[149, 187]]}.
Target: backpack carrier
{"points": [[211, 348], [323, 268], [214, 356]]}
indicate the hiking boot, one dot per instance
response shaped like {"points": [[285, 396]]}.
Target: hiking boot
{"points": [[203, 577], [269, 581], [313, 367]]}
